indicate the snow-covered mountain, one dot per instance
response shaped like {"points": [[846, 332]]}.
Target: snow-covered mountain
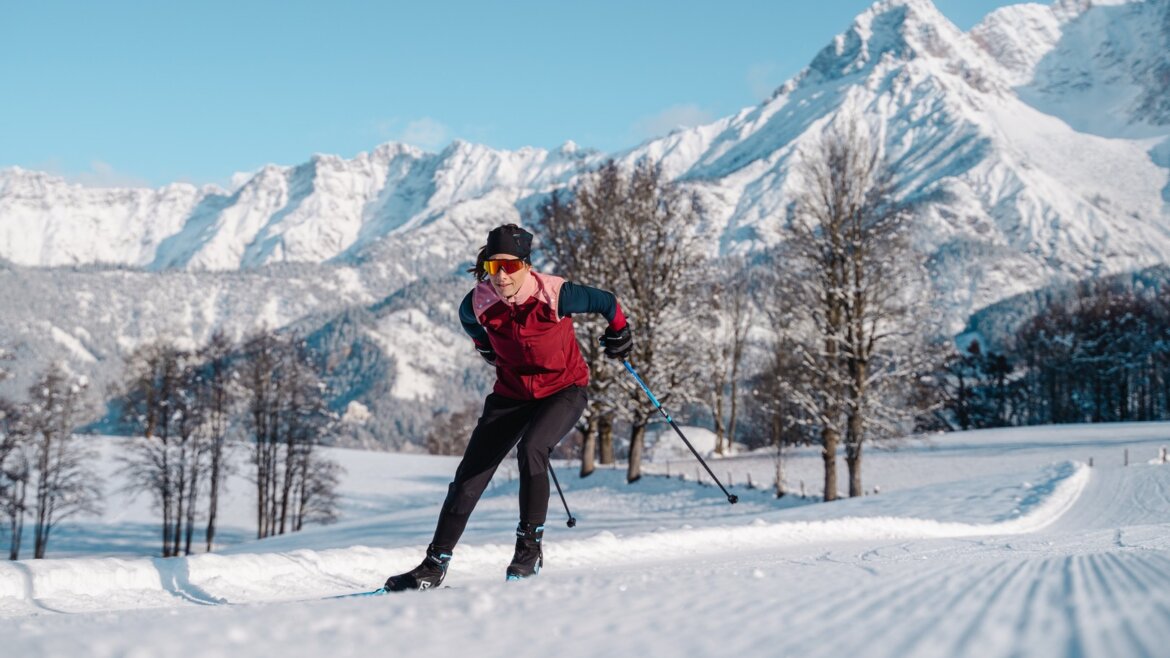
{"points": [[328, 208], [1036, 148]]}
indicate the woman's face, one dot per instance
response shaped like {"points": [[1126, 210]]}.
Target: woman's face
{"points": [[508, 284]]}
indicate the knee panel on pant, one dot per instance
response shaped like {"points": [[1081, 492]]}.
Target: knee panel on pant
{"points": [[461, 498], [533, 460]]}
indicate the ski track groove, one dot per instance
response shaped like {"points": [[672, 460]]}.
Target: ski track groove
{"points": [[1032, 615], [1158, 566], [1098, 579], [891, 597], [1076, 571], [1047, 601], [963, 629], [1054, 587], [948, 593]]}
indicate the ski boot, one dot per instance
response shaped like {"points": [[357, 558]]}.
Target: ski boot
{"points": [[427, 575], [529, 557]]}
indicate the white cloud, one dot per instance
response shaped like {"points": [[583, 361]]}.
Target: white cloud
{"points": [[426, 133], [102, 174], [687, 115]]}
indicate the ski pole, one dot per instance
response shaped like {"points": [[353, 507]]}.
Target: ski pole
{"points": [[731, 498], [571, 522]]}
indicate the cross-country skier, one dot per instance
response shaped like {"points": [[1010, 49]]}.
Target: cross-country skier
{"points": [[520, 322]]}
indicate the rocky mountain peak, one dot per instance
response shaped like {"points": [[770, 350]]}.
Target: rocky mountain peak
{"points": [[897, 29]]}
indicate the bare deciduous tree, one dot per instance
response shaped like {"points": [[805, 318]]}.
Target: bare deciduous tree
{"points": [[572, 226], [165, 399], [217, 400], [855, 276], [262, 385], [726, 321], [13, 468], [786, 387], [62, 480], [634, 231], [286, 416], [14, 472], [317, 500], [150, 380]]}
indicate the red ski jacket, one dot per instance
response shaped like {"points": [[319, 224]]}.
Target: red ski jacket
{"points": [[532, 335]]}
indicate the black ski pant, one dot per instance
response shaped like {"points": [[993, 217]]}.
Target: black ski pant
{"points": [[537, 425]]}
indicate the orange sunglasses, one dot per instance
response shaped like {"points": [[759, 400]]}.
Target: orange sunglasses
{"points": [[510, 266]]}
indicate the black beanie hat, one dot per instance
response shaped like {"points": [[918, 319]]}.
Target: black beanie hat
{"points": [[509, 239]]}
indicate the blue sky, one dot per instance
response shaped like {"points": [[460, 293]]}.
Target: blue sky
{"points": [[146, 93]]}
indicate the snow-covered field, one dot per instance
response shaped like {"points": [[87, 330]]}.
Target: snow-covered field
{"points": [[985, 543]]}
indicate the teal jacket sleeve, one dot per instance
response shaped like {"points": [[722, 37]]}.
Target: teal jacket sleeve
{"points": [[577, 298], [470, 324]]}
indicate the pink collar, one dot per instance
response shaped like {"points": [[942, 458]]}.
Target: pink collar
{"points": [[526, 291]]}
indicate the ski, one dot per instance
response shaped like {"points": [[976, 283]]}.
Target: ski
{"points": [[356, 595], [381, 591]]}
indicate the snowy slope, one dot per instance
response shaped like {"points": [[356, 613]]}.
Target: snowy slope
{"points": [[982, 544], [1036, 148]]}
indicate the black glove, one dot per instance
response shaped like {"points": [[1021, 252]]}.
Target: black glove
{"points": [[618, 344], [487, 353]]}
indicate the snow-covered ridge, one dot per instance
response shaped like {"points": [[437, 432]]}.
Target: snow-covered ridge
{"points": [[308, 213], [896, 53]]}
